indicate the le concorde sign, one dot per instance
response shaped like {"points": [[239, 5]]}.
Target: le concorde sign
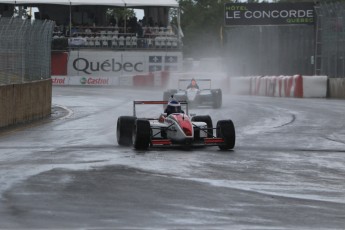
{"points": [[269, 14]]}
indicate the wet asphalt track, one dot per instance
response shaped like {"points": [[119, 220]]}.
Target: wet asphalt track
{"points": [[287, 170]]}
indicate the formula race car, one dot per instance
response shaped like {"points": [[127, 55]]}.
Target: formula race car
{"points": [[174, 128], [201, 95]]}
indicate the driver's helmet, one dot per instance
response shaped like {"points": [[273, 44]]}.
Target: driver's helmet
{"points": [[173, 107]]}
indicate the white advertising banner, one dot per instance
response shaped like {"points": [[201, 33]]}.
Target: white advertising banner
{"points": [[60, 80], [97, 64], [80, 80]]}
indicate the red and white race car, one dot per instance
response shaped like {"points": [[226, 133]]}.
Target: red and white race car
{"points": [[173, 130]]}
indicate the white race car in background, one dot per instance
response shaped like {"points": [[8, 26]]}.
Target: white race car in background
{"points": [[204, 96], [174, 130]]}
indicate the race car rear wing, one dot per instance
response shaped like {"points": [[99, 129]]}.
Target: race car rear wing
{"points": [[156, 103]]}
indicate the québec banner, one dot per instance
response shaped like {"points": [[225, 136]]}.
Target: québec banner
{"points": [[302, 13]]}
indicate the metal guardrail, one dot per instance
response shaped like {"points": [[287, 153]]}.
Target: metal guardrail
{"points": [[25, 50]]}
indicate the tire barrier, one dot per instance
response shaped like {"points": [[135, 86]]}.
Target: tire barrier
{"points": [[297, 86]]}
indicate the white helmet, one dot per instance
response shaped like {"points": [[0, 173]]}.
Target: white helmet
{"points": [[173, 107]]}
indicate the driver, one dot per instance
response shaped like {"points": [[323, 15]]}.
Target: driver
{"points": [[173, 107], [193, 84]]}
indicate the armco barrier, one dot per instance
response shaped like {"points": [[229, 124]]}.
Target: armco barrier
{"points": [[25, 102]]}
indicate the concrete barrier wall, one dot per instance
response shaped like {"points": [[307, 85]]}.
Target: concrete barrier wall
{"points": [[6, 105], [276, 86], [336, 88], [21, 103], [280, 86]]}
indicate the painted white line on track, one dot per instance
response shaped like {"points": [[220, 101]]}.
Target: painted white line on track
{"points": [[69, 114]]}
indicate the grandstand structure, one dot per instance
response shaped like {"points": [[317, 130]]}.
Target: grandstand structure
{"points": [[89, 47]]}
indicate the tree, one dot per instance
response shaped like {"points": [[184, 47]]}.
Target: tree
{"points": [[120, 14], [201, 22]]}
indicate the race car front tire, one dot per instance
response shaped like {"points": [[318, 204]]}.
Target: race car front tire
{"points": [[207, 119], [226, 130], [124, 129], [142, 134]]}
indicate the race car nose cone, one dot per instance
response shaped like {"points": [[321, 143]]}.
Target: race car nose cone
{"points": [[187, 131]]}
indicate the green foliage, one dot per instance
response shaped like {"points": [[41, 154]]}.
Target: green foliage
{"points": [[202, 22], [295, 1], [120, 13]]}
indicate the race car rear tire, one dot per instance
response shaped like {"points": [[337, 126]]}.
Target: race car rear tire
{"points": [[207, 119], [226, 130], [217, 98], [142, 134], [124, 129]]}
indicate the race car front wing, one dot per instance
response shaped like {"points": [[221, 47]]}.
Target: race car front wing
{"points": [[206, 142]]}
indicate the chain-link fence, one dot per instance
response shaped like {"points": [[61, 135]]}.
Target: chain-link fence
{"points": [[25, 50], [331, 39]]}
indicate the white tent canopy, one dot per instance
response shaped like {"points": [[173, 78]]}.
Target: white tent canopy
{"points": [[120, 3], [136, 3]]}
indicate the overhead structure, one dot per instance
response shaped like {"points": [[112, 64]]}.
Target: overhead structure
{"points": [[94, 12], [119, 3]]}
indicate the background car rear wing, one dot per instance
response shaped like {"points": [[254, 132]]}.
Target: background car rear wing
{"points": [[183, 83], [183, 103]]}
